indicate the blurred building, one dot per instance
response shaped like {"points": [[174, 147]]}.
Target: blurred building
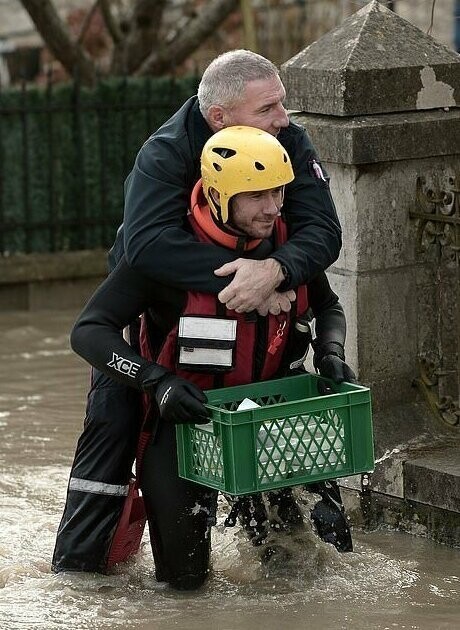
{"points": [[20, 44], [282, 28]]}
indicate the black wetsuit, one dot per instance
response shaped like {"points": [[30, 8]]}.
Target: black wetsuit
{"points": [[156, 244]]}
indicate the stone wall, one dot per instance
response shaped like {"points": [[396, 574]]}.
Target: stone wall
{"points": [[379, 137], [381, 101], [50, 281]]}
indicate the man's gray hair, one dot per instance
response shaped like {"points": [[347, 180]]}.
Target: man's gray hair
{"points": [[224, 80]]}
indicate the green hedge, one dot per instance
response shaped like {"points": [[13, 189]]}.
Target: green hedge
{"points": [[64, 155]]}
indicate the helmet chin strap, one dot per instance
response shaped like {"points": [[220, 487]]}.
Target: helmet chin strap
{"points": [[216, 201], [229, 226]]}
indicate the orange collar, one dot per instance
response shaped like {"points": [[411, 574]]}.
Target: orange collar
{"points": [[202, 214]]}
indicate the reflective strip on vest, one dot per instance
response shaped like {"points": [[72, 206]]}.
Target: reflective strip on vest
{"points": [[97, 487]]}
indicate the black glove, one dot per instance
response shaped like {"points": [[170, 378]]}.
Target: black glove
{"points": [[179, 401], [335, 368], [329, 361]]}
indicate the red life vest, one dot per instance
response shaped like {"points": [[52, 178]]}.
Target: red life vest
{"points": [[276, 329]]}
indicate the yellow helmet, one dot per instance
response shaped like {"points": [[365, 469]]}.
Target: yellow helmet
{"points": [[242, 159]]}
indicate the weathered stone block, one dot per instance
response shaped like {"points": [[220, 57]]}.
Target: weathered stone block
{"points": [[374, 203], [440, 525], [374, 62], [343, 190], [434, 479], [401, 304], [381, 330], [383, 138], [386, 323], [345, 286]]}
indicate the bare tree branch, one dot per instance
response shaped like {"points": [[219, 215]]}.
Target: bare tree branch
{"points": [[86, 22], [247, 13], [195, 32], [137, 46], [110, 22], [142, 36], [58, 40]]}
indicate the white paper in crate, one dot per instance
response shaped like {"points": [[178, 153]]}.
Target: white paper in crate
{"points": [[206, 342], [247, 403]]}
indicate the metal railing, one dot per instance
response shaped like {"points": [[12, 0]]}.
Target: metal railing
{"points": [[64, 154]]}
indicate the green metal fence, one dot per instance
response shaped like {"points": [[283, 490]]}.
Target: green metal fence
{"points": [[65, 151]]}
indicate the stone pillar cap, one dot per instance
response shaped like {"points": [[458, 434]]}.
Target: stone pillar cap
{"points": [[374, 62]]}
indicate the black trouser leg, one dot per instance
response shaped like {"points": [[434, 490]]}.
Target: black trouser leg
{"points": [[180, 514], [99, 476], [287, 511], [253, 517], [329, 517]]}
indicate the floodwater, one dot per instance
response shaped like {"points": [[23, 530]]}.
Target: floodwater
{"points": [[391, 581]]}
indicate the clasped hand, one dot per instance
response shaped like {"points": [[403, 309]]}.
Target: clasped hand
{"points": [[254, 287]]}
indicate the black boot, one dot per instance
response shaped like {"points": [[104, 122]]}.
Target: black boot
{"points": [[329, 517], [252, 515], [287, 512]]}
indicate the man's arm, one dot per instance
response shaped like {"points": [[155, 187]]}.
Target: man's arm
{"points": [[315, 236], [331, 330], [157, 243], [97, 337], [97, 333]]}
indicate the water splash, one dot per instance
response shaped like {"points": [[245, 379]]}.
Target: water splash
{"points": [[387, 454]]}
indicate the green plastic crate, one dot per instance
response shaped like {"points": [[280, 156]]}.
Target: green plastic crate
{"points": [[297, 436]]}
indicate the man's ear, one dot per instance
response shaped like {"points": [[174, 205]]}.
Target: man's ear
{"points": [[215, 118]]}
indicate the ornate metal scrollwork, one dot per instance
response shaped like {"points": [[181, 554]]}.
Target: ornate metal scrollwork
{"points": [[443, 406], [437, 212]]}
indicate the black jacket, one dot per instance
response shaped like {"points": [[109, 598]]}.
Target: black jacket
{"points": [[154, 237]]}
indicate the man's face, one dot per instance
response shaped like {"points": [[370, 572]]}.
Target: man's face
{"points": [[261, 107], [254, 213]]}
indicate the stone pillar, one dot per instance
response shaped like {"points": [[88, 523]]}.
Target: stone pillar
{"points": [[380, 100]]}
